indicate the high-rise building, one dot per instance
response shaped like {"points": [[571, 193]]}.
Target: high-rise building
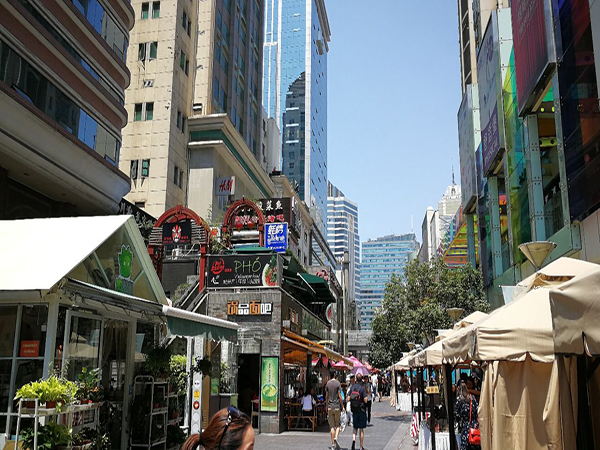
{"points": [[295, 93], [342, 233], [195, 107], [62, 81], [381, 258]]}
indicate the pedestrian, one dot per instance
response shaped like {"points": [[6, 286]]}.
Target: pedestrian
{"points": [[228, 429], [358, 404], [465, 415], [352, 381], [404, 383], [369, 389], [334, 404], [380, 386], [308, 402], [374, 384]]}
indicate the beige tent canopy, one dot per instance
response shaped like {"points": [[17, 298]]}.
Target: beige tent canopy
{"points": [[575, 309], [403, 363]]}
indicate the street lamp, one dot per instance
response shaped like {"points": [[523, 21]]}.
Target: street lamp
{"points": [[411, 345], [537, 252]]}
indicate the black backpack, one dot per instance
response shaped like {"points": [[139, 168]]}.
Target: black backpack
{"points": [[355, 398]]}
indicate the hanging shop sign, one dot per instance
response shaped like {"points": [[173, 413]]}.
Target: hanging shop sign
{"points": [[531, 26], [30, 349], [142, 218], [276, 236], [278, 210], [269, 385], [229, 271], [468, 140], [225, 186], [178, 233], [329, 313], [253, 308], [123, 282], [490, 95], [313, 325]]}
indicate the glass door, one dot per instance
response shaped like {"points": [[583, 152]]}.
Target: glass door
{"points": [[82, 344]]}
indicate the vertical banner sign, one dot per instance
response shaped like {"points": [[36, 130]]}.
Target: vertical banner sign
{"points": [[490, 93], [466, 145], [531, 48], [276, 236], [269, 384]]}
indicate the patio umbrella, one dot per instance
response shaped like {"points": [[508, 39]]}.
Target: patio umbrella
{"points": [[360, 370], [355, 361], [369, 367], [341, 365]]}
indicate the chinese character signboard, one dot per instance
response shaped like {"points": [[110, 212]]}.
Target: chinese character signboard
{"points": [[225, 186], [277, 210], [178, 233], [468, 141], [228, 271], [253, 308], [269, 384], [276, 236], [490, 92]]}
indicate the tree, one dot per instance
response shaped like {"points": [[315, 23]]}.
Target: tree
{"points": [[414, 307]]}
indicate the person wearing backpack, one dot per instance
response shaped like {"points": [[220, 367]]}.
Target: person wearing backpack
{"points": [[358, 405]]}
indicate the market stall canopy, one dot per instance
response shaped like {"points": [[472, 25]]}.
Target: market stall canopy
{"points": [[556, 273], [93, 259], [403, 363], [38, 253], [471, 318], [575, 308]]}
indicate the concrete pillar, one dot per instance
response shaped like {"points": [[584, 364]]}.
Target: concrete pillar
{"points": [[535, 187], [495, 226], [560, 146], [471, 250]]}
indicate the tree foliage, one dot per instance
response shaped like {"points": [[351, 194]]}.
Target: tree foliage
{"points": [[414, 307]]}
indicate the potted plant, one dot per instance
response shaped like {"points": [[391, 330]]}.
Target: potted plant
{"points": [[88, 390], [179, 377], [55, 392], [29, 392], [175, 436], [51, 436], [203, 365], [83, 439], [158, 362]]}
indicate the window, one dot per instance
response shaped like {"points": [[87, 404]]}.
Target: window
{"points": [[187, 66], [145, 10], [234, 116], [137, 116], [133, 169], [176, 175], [182, 60], [224, 64], [179, 119], [189, 27], [145, 168], [219, 20], [147, 50], [153, 50], [227, 4], [149, 110], [180, 183], [155, 10], [216, 89], [141, 205]]}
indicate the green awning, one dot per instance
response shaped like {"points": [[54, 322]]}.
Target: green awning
{"points": [[185, 323], [319, 287]]}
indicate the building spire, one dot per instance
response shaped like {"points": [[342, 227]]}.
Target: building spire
{"points": [[453, 173]]}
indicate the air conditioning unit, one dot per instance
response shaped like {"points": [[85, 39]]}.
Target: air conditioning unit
{"points": [[148, 83], [197, 108]]}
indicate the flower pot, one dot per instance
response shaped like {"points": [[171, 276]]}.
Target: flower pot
{"points": [[89, 402], [29, 404], [51, 405], [155, 406]]}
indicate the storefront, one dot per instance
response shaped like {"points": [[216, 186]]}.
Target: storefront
{"points": [[82, 293]]}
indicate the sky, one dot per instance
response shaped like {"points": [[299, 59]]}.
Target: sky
{"points": [[393, 95]]}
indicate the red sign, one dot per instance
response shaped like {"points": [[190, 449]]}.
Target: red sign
{"points": [[226, 186], [531, 51], [30, 349]]}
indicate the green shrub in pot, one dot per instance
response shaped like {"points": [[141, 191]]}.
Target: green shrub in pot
{"points": [[50, 437]]}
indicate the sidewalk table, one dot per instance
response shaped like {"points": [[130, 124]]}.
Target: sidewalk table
{"points": [[442, 439]]}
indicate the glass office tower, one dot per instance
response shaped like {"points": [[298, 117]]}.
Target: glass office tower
{"points": [[381, 258], [295, 93]]}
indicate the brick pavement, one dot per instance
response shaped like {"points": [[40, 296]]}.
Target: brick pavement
{"points": [[389, 431]]}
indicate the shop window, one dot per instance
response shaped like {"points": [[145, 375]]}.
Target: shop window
{"points": [[8, 321]]}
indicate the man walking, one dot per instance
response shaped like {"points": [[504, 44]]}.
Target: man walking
{"points": [[348, 408], [334, 403], [358, 403]]}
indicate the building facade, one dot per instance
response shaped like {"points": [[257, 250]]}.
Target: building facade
{"points": [[381, 258], [343, 235], [196, 71], [295, 93], [62, 82], [534, 162]]}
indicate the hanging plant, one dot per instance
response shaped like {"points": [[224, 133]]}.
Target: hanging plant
{"points": [[203, 365]]}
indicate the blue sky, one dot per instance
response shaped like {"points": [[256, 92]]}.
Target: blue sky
{"points": [[393, 94]]}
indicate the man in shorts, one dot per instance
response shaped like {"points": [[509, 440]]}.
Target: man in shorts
{"points": [[358, 400], [334, 403]]}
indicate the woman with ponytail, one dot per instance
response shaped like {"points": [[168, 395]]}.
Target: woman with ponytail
{"points": [[229, 429]]}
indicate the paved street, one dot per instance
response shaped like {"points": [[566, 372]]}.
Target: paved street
{"points": [[389, 431]]}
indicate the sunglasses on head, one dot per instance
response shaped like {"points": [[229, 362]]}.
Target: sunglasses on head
{"points": [[232, 414]]}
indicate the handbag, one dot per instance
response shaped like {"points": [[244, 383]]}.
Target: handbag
{"points": [[474, 436]]}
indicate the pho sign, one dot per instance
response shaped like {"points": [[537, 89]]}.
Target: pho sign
{"points": [[276, 236]]}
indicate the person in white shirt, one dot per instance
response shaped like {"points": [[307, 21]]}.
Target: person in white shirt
{"points": [[308, 402], [369, 388], [374, 384]]}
